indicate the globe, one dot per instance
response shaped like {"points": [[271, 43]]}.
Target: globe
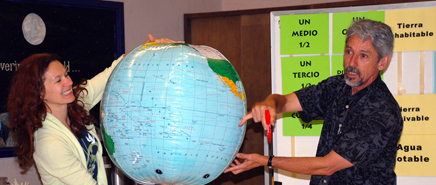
{"points": [[170, 114]]}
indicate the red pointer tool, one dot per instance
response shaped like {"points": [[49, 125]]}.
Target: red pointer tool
{"points": [[268, 123], [270, 145]]}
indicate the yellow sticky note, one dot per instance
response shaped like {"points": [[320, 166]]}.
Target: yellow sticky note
{"points": [[416, 156], [418, 113], [414, 29]]}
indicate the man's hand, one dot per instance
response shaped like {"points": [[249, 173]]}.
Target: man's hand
{"points": [[251, 161], [276, 104], [258, 113]]}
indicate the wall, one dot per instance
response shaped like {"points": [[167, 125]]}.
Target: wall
{"points": [[9, 168], [161, 18], [404, 76], [164, 18], [257, 4]]}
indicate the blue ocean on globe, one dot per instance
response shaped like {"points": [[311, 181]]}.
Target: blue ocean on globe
{"points": [[170, 114]]}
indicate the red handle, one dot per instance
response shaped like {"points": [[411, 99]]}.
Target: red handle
{"points": [[268, 123]]}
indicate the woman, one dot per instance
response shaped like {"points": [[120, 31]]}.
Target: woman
{"points": [[51, 120]]}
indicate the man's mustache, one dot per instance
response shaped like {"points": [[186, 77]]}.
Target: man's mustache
{"points": [[352, 69]]}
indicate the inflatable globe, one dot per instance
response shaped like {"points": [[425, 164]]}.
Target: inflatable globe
{"points": [[170, 114]]}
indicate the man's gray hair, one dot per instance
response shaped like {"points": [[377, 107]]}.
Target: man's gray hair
{"points": [[381, 35]]}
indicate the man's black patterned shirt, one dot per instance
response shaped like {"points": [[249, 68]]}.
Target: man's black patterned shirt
{"points": [[363, 128]]}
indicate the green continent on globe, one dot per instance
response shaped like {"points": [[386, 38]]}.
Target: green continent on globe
{"points": [[108, 142], [223, 68], [227, 74]]}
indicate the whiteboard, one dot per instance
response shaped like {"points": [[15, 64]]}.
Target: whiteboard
{"points": [[410, 72]]}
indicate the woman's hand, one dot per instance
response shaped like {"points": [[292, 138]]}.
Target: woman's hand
{"points": [[161, 40]]}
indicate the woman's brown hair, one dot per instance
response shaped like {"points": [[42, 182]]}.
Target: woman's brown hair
{"points": [[27, 108]]}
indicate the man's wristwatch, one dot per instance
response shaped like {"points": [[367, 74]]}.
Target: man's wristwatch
{"points": [[270, 161]]}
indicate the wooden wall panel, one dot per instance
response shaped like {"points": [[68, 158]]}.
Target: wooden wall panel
{"points": [[256, 57], [221, 33], [233, 36]]}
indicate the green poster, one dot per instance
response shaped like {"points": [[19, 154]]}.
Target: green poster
{"points": [[299, 72], [294, 126], [304, 34], [341, 22]]}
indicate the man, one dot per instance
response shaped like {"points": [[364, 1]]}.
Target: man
{"points": [[362, 120]]}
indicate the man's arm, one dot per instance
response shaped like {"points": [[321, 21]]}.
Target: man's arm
{"points": [[327, 165], [276, 104]]}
